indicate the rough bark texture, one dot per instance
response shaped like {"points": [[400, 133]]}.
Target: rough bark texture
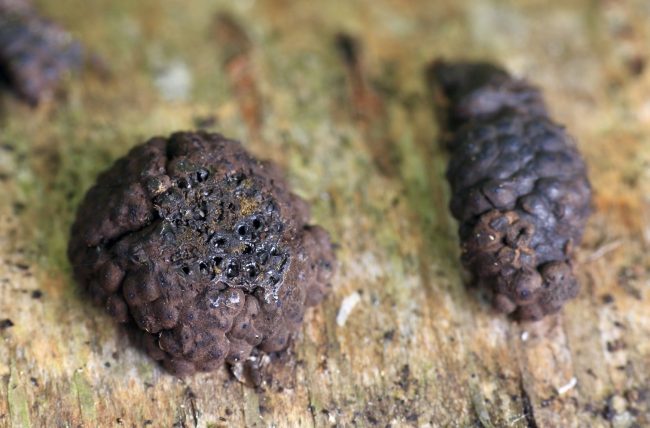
{"points": [[355, 137]]}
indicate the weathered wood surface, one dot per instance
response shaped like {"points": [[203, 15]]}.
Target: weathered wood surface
{"points": [[357, 139]]}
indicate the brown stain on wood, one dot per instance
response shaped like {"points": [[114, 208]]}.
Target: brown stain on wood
{"points": [[238, 63], [368, 108]]}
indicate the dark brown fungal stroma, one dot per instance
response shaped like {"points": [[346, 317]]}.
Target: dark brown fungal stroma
{"points": [[35, 53], [519, 187], [203, 248]]}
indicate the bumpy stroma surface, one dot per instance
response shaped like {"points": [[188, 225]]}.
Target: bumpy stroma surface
{"points": [[520, 188], [35, 53], [203, 248]]}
